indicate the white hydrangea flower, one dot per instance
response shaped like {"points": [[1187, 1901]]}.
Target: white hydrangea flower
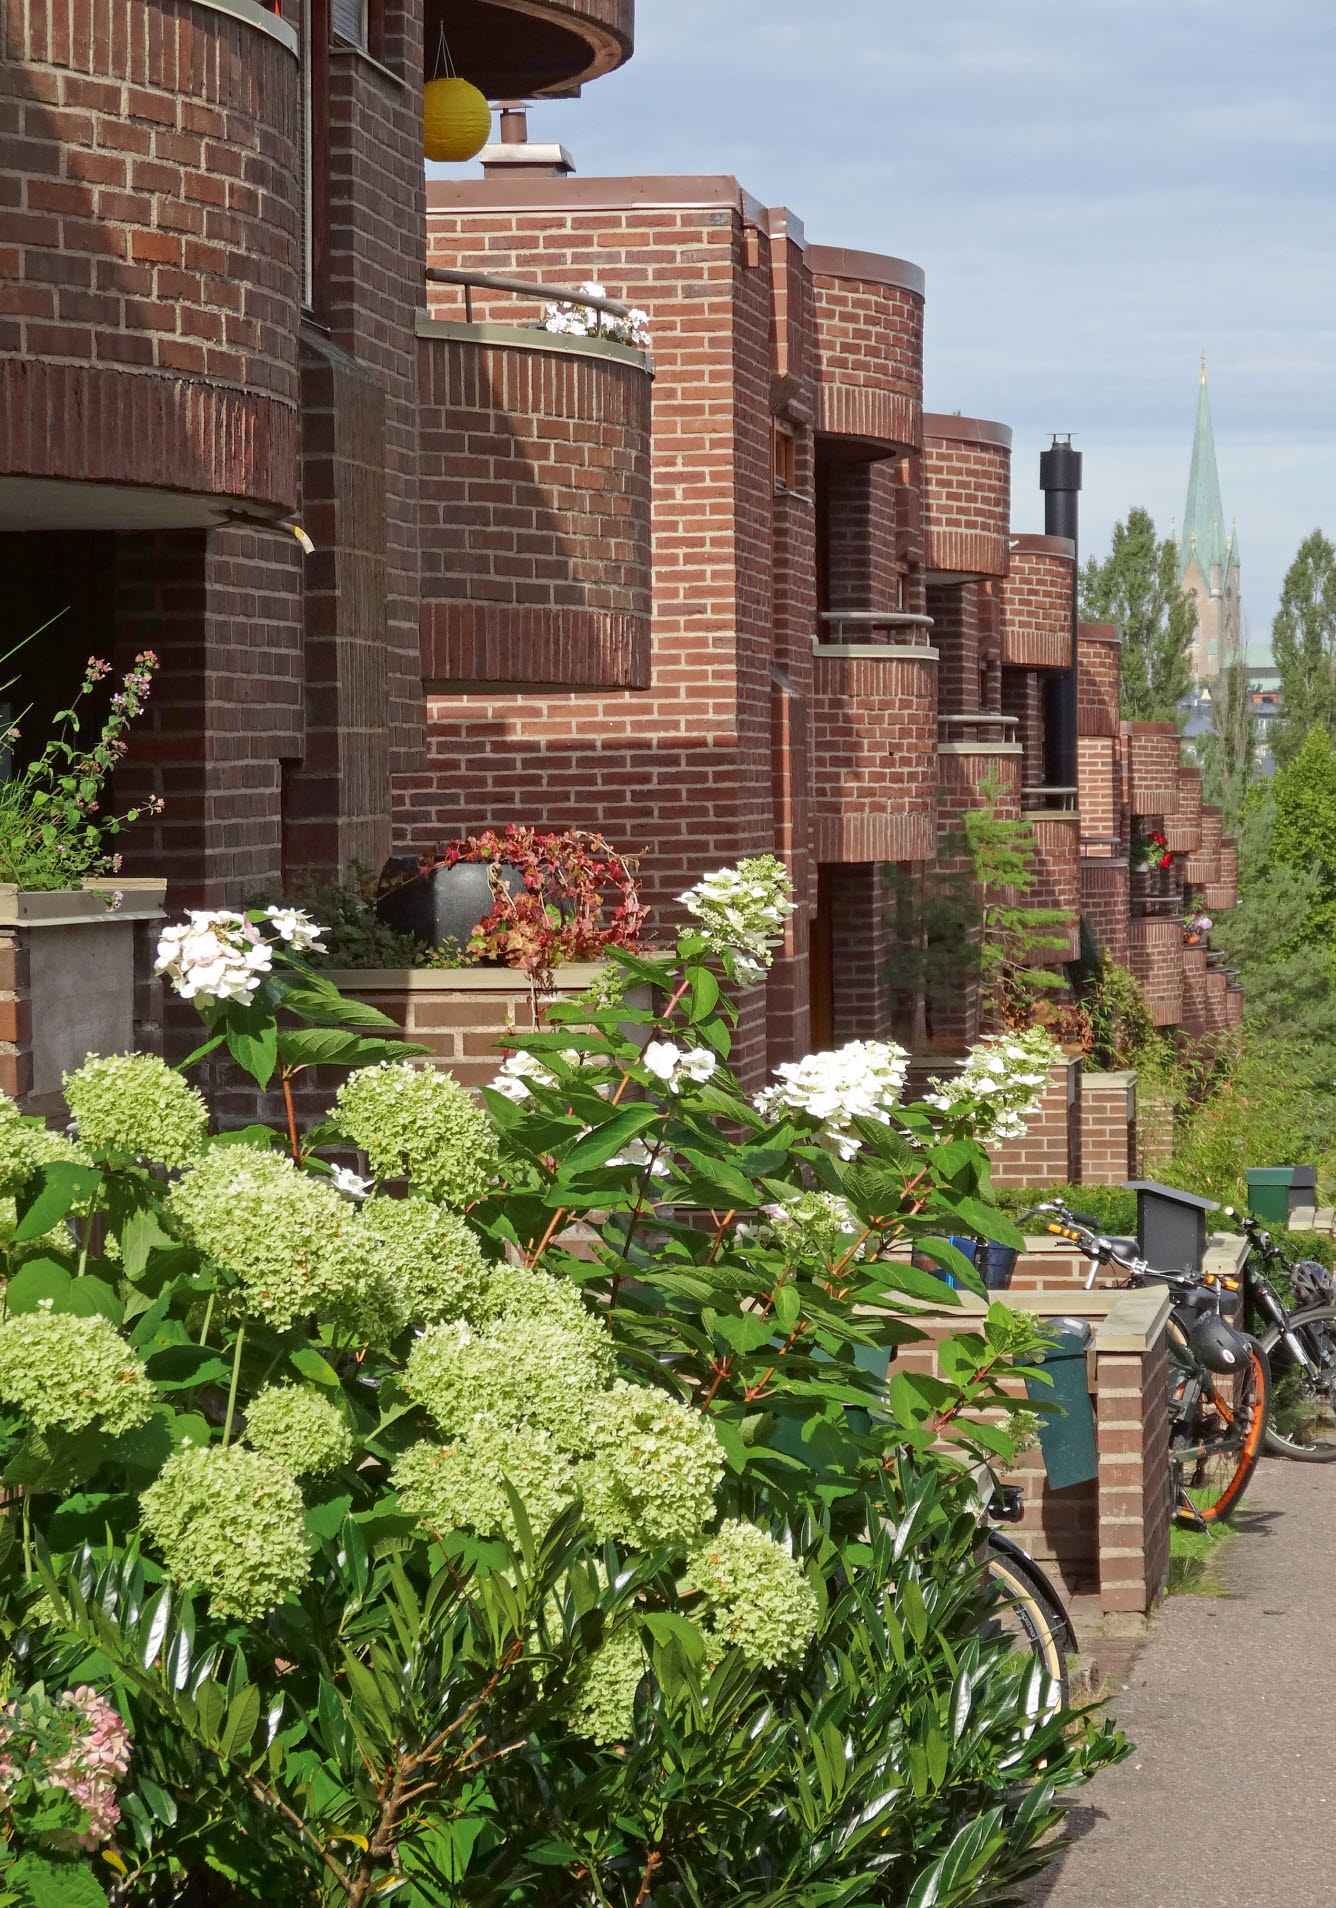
{"points": [[819, 1224], [742, 911], [864, 1078], [1001, 1084], [673, 1064], [351, 1184], [216, 954], [296, 928], [582, 321], [637, 1153], [517, 1069]]}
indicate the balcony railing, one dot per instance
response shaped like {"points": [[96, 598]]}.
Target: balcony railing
{"points": [[865, 630], [1049, 800], [519, 288], [981, 727]]}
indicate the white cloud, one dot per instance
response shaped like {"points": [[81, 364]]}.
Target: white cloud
{"points": [[1096, 191]]}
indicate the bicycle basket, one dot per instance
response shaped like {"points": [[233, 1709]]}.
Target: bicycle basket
{"points": [[1313, 1284]]}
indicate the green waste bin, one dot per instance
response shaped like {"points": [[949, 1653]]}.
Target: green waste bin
{"points": [[1071, 1454], [1275, 1191]]}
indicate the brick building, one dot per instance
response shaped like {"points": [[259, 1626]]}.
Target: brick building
{"points": [[736, 595]]}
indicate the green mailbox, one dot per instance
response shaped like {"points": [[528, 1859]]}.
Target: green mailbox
{"points": [[1071, 1454], [1275, 1191]]}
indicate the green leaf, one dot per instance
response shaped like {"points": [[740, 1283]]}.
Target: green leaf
{"points": [[597, 1147], [52, 1884], [747, 1333], [341, 1047], [59, 1187], [243, 1713], [704, 994], [320, 1002], [736, 1188], [252, 1037], [989, 1222], [181, 1367], [35, 1283], [89, 1297], [311, 1364]]}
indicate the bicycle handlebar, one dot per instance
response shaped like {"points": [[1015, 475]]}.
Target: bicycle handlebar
{"points": [[1101, 1249]]}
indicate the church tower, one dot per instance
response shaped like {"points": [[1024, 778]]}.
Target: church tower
{"points": [[1208, 561]]}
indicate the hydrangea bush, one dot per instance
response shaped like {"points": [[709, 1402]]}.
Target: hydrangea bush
{"points": [[513, 1513]]}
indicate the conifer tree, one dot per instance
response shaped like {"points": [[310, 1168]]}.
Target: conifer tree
{"points": [[1136, 586]]}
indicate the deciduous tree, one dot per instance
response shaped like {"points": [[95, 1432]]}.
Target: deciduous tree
{"points": [[1303, 642], [1136, 586]]}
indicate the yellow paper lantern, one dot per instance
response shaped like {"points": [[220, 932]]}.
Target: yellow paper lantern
{"points": [[457, 121]]}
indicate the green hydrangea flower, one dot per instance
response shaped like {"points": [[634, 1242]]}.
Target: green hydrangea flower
{"points": [[19, 1156], [523, 1370], [413, 1121], [757, 1598], [604, 1705], [430, 1257], [135, 1103], [230, 1521], [653, 1470], [72, 1372], [461, 1485], [515, 1291], [295, 1245], [299, 1429]]}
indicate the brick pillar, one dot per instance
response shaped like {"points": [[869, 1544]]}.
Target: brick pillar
{"points": [[1050, 1153], [1135, 1507], [222, 611], [955, 614], [1108, 1128], [860, 934]]}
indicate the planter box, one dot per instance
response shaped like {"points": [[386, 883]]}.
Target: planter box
{"points": [[75, 978], [459, 1013]]}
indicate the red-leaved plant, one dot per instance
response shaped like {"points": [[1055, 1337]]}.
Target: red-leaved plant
{"points": [[562, 913]]}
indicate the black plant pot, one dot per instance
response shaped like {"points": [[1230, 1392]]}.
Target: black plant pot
{"points": [[442, 908]]}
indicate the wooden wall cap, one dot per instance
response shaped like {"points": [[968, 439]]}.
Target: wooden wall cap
{"points": [[966, 430], [873, 268]]}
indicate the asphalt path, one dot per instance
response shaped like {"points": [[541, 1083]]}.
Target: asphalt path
{"points": [[1229, 1792]]}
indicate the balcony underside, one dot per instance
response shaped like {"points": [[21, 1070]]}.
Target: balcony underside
{"points": [[522, 48]]}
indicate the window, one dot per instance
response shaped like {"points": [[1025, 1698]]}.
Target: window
{"points": [[784, 458], [349, 21]]}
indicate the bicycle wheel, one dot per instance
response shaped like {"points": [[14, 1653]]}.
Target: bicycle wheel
{"points": [[1216, 1431], [1029, 1611], [1303, 1386]]}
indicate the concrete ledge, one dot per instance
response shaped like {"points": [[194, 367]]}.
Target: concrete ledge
{"points": [[258, 17], [76, 907], [523, 338]]}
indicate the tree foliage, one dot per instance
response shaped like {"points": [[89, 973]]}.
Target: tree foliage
{"points": [[1136, 586], [1303, 643]]}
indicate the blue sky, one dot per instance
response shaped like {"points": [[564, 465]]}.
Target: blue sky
{"points": [[1097, 190]]}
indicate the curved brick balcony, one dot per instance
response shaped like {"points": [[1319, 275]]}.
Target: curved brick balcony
{"points": [[149, 264], [1099, 663], [967, 501], [515, 49], [874, 738], [1202, 866], [1223, 892], [1056, 826], [535, 508], [1182, 830], [869, 333], [1037, 603], [1150, 759], [1155, 956]]}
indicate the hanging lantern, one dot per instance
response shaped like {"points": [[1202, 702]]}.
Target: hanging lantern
{"points": [[457, 121]]}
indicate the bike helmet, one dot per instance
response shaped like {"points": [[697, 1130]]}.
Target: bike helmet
{"points": [[1218, 1346], [1312, 1283]]}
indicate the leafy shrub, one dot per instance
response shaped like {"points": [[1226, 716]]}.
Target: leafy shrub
{"points": [[1113, 1210], [703, 1557]]}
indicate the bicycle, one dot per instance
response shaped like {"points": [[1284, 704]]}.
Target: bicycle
{"points": [[1299, 1341], [1028, 1607], [1219, 1378]]}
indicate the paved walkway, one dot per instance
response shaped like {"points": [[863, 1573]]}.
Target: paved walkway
{"points": [[1229, 1794]]}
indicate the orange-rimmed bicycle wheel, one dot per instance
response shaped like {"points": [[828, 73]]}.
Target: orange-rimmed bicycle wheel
{"points": [[1218, 1436]]}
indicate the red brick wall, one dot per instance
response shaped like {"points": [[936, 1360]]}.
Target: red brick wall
{"points": [[1099, 655], [1104, 903], [149, 281], [1203, 863], [1050, 1153], [957, 615], [703, 768], [1135, 1492], [223, 614], [1196, 999], [1037, 604], [1108, 1128], [967, 471], [535, 498], [1023, 697], [861, 944], [1182, 830], [868, 566], [1057, 869]]}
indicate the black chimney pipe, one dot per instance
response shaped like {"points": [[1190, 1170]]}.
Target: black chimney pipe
{"points": [[1060, 481]]}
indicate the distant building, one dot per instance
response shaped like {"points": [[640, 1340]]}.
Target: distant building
{"points": [[1264, 693], [1208, 561]]}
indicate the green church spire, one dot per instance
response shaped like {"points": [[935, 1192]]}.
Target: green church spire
{"points": [[1204, 519]]}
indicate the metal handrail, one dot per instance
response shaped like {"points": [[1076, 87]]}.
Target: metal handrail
{"points": [[1055, 799], [894, 619], [522, 288]]}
